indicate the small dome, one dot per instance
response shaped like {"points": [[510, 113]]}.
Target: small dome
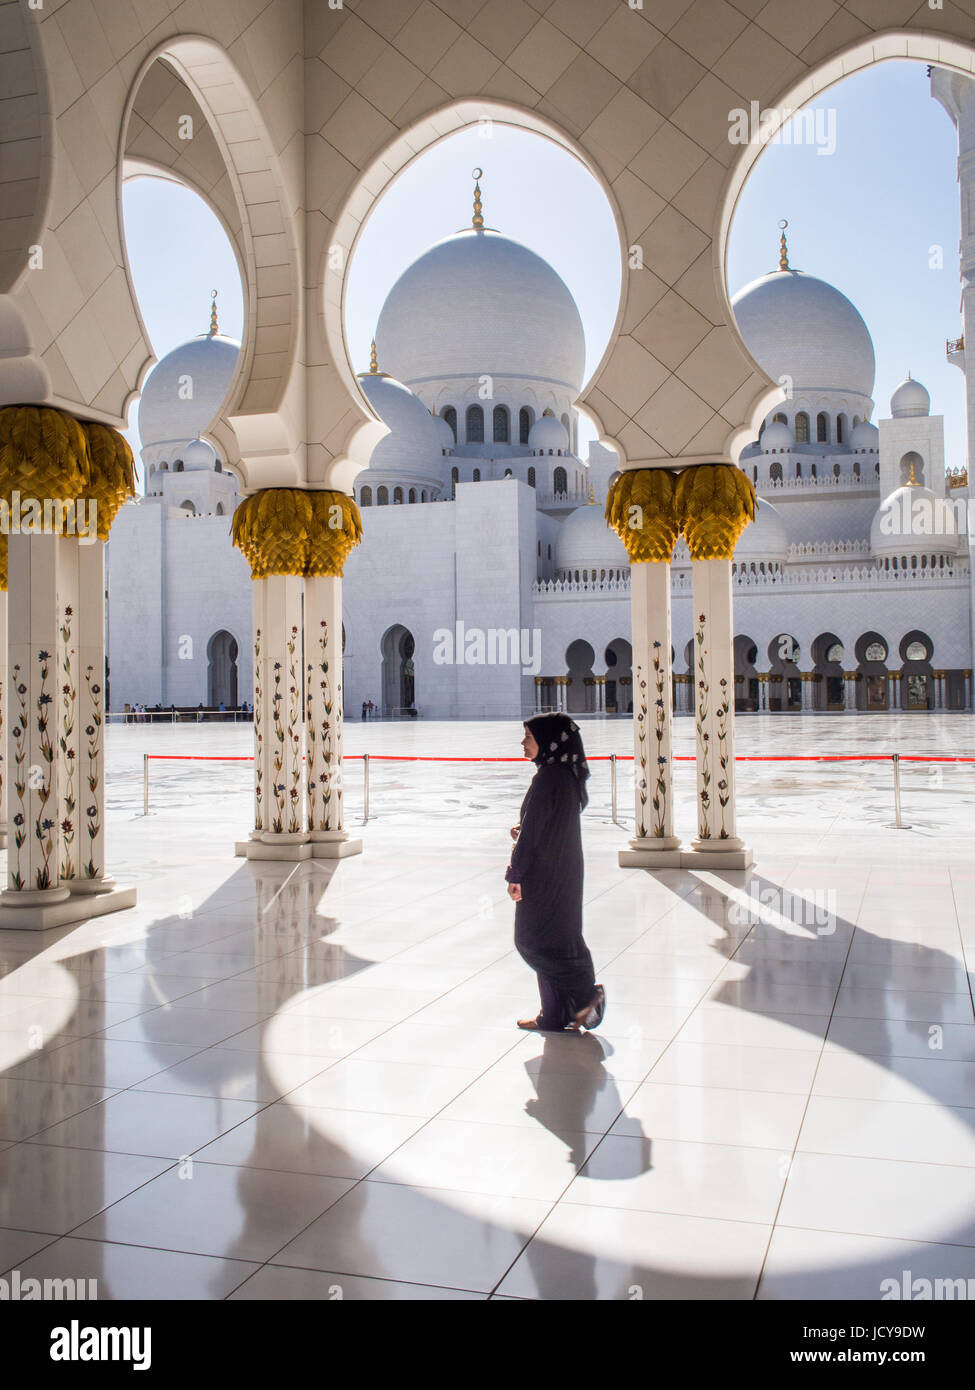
{"points": [[777, 438], [865, 438], [909, 398], [585, 542], [766, 537], [912, 520], [445, 433], [185, 390], [548, 433], [413, 443], [199, 456]]}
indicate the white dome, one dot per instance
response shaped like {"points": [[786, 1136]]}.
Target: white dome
{"points": [[865, 438], [585, 542], [777, 438], [913, 520], [413, 443], [766, 537], [797, 326], [478, 303], [445, 433], [198, 456], [909, 398], [548, 433], [206, 365]]}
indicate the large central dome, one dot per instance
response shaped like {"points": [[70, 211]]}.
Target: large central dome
{"points": [[797, 326], [479, 304]]}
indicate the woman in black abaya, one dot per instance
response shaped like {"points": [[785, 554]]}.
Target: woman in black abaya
{"points": [[545, 878]]}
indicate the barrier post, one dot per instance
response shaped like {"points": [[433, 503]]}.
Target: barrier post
{"points": [[898, 823], [365, 787], [145, 784], [612, 784]]}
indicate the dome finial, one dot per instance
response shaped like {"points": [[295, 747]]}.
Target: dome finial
{"points": [[911, 480], [477, 222], [213, 314], [592, 495], [783, 248], [373, 359]]}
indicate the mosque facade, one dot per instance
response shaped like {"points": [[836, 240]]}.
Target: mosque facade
{"points": [[488, 583]]}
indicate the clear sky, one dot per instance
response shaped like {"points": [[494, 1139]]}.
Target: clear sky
{"points": [[864, 217]]}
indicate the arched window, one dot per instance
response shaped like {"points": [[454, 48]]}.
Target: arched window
{"points": [[539, 550], [455, 479], [412, 494], [365, 497], [450, 415], [219, 511], [382, 496], [780, 418], [525, 421], [856, 421], [178, 466], [841, 429], [798, 469], [423, 495], [187, 506], [836, 470], [813, 470], [565, 425], [218, 467], [531, 477], [501, 424], [560, 481], [856, 468], [475, 424], [802, 428], [550, 552], [822, 428], [508, 473], [397, 495], [775, 472]]}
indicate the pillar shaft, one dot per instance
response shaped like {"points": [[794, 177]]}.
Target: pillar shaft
{"points": [[3, 718], [652, 711], [714, 724], [278, 741], [323, 710]]}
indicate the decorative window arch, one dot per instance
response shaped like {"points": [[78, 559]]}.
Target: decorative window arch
{"points": [[450, 415], [531, 477], [856, 468], [780, 418], [178, 466], [477, 475], [501, 422], [856, 421], [412, 494], [382, 496], [836, 470], [775, 471], [219, 511], [560, 480], [365, 497], [798, 469], [822, 428], [841, 429], [455, 479], [802, 428], [526, 418], [187, 506], [475, 424], [397, 495]]}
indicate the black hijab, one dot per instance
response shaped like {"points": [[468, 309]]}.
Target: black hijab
{"points": [[559, 741]]}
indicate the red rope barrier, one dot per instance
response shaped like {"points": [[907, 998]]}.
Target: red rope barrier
{"points": [[597, 758]]}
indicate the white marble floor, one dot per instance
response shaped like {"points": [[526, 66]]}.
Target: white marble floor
{"points": [[280, 1081]]}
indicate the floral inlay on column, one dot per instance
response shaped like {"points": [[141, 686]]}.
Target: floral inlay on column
{"points": [[20, 728], [69, 697], [294, 736], [703, 737], [43, 824], [661, 788], [258, 735], [721, 717], [277, 824], [93, 731], [641, 745]]}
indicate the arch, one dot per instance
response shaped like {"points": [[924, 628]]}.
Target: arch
{"points": [[501, 421], [802, 427], [477, 476], [398, 670], [382, 496], [526, 418], [842, 433], [412, 494], [365, 496], [449, 413], [822, 428], [531, 477], [262, 380], [829, 691], [618, 694], [397, 496], [917, 672], [219, 510], [911, 458], [222, 670], [775, 471], [454, 479], [560, 480], [871, 652], [746, 676], [187, 506], [579, 658], [474, 421], [785, 678]]}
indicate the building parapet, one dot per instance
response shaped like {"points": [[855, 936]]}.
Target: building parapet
{"points": [[834, 577]]}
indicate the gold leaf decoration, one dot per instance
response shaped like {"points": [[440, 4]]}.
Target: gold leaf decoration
{"points": [[642, 510], [715, 502], [112, 473], [291, 531]]}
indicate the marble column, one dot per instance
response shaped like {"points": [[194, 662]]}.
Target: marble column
{"points": [[323, 719], [763, 691], [807, 691], [849, 690], [968, 689], [3, 718], [893, 689], [539, 680], [716, 844], [279, 820], [655, 844]]}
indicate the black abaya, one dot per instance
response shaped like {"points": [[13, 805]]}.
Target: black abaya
{"points": [[547, 862]]}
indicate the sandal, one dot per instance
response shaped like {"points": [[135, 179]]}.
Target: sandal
{"points": [[531, 1025], [592, 1015]]}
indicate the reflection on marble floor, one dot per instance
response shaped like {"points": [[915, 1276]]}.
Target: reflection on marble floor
{"points": [[304, 1081]]}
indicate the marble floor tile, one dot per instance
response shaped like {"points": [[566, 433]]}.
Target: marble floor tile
{"points": [[805, 1264], [146, 1122], [138, 1271], [46, 1188], [305, 1139]]}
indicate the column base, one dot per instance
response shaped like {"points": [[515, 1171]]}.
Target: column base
{"points": [[294, 848], [43, 911], [651, 852], [716, 854]]}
